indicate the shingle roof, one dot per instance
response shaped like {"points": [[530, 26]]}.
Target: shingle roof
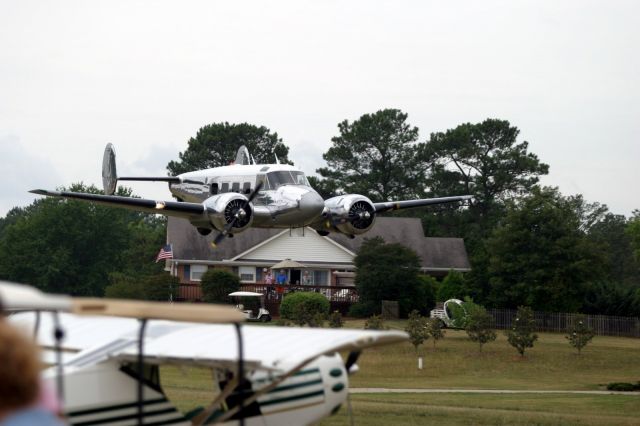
{"points": [[436, 253]]}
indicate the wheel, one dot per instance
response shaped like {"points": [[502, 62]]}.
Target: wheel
{"points": [[265, 318]]}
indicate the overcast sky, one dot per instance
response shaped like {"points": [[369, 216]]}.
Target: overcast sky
{"points": [[146, 76]]}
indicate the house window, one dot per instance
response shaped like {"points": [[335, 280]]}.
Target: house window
{"points": [[197, 271], [321, 277], [247, 274]]}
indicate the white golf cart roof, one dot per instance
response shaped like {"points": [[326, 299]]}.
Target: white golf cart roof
{"points": [[246, 294]]}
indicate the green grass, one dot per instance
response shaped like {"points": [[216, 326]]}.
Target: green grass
{"points": [[480, 409], [552, 364]]}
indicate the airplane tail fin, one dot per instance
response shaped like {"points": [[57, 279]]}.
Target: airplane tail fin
{"points": [[109, 173]]}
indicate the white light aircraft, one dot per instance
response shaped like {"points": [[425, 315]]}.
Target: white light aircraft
{"points": [[232, 198], [106, 356]]}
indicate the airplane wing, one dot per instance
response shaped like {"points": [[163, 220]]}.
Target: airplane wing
{"points": [[93, 339], [397, 205], [167, 208]]}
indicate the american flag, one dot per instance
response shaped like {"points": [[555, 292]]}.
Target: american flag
{"points": [[165, 253]]}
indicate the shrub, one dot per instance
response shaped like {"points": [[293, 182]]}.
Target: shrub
{"points": [[155, 287], [335, 320], [434, 329], [480, 326], [521, 335], [580, 334], [160, 287], [217, 284], [302, 307], [623, 387], [375, 322], [364, 309]]}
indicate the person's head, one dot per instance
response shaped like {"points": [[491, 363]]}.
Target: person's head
{"points": [[19, 369]]}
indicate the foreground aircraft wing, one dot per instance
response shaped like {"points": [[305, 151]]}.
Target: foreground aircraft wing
{"points": [[266, 348], [167, 208], [397, 205], [94, 338]]}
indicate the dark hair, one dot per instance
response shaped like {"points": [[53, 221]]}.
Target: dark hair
{"points": [[19, 368]]}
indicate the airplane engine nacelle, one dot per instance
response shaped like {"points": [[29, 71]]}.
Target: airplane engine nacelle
{"points": [[351, 214], [222, 209]]}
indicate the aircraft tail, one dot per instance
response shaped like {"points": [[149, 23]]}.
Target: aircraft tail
{"points": [[109, 173], [110, 176]]}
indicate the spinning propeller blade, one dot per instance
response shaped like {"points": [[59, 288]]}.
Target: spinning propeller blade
{"points": [[222, 235]]}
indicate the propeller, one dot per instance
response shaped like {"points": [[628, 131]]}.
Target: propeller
{"points": [[351, 360], [239, 214]]}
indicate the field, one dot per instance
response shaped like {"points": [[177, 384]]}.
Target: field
{"points": [[456, 363]]}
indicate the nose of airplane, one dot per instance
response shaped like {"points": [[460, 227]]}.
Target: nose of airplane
{"points": [[311, 203]]}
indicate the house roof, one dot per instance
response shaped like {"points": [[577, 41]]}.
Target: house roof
{"points": [[435, 253]]}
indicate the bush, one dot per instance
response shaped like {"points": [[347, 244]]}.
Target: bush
{"points": [[217, 284], [521, 335], [375, 322], [580, 334], [364, 309], [623, 387], [155, 287], [335, 320], [302, 307], [160, 287]]}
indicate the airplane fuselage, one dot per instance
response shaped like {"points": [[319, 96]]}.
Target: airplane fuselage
{"points": [[285, 199]]}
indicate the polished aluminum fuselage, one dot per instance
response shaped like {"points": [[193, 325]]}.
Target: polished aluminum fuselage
{"points": [[275, 206]]}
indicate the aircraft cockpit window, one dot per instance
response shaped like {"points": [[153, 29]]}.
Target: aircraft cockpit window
{"points": [[225, 187], [246, 188], [214, 188], [280, 178], [235, 187]]}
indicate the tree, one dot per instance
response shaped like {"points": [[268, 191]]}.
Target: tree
{"points": [[217, 284], [479, 327], [71, 247], [216, 145], [521, 335], [388, 272], [452, 287], [374, 322], [633, 231], [540, 257], [375, 155], [483, 160], [580, 334], [434, 330], [416, 328]]}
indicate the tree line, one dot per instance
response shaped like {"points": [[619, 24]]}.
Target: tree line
{"points": [[528, 245]]}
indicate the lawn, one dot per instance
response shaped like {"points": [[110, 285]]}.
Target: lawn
{"points": [[481, 409], [552, 364]]}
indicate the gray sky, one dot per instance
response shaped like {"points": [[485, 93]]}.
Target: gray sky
{"points": [[145, 76]]}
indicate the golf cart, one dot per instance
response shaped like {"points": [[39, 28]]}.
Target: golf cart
{"points": [[263, 314]]}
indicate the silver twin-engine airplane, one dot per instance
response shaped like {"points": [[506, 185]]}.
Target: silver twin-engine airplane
{"points": [[232, 198]]}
